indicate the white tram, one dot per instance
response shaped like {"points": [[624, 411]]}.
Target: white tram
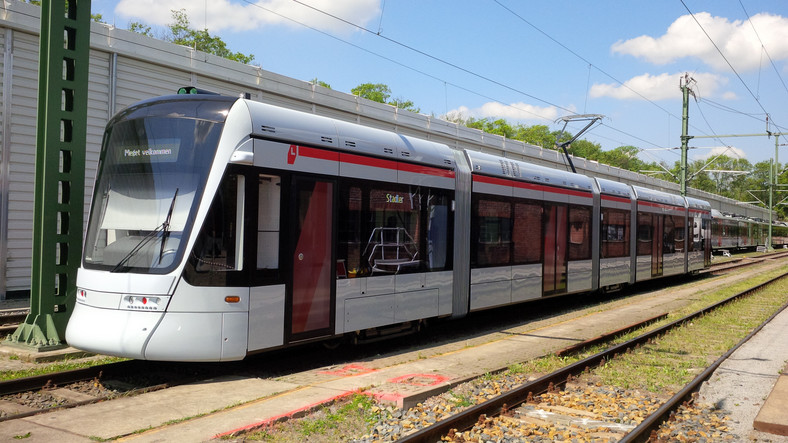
{"points": [[222, 227]]}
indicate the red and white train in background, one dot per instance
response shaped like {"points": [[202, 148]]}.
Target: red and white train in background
{"points": [[222, 227], [734, 232]]}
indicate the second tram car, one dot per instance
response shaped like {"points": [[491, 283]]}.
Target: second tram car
{"points": [[733, 232], [222, 227]]}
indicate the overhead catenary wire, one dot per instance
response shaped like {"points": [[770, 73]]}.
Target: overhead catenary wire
{"points": [[730, 65], [435, 58], [766, 51]]}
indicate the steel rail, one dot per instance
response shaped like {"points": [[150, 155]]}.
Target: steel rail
{"points": [[467, 418], [650, 425], [37, 382]]}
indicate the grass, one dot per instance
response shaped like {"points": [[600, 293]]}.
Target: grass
{"points": [[668, 362], [673, 360], [48, 368], [461, 400], [337, 422]]}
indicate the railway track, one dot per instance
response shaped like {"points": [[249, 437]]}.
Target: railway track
{"points": [[716, 269], [514, 410], [33, 395], [10, 320], [115, 378]]}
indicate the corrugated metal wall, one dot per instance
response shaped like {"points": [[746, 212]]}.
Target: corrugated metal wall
{"points": [[126, 67]]}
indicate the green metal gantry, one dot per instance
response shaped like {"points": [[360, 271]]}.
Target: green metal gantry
{"points": [[60, 172]]}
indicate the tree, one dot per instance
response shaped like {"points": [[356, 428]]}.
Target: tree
{"points": [[585, 149], [538, 135], [180, 32], [140, 28], [378, 92], [315, 81], [201, 40], [624, 157], [500, 126]]}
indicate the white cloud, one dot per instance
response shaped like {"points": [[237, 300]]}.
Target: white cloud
{"points": [[516, 112], [224, 14], [710, 153], [657, 87], [736, 39]]}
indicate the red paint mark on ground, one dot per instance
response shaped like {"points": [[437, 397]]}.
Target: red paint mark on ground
{"points": [[389, 397], [420, 379], [349, 371]]}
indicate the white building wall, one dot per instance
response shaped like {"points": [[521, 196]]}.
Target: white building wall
{"points": [[126, 67]]}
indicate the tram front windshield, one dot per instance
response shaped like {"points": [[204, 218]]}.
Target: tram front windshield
{"points": [[151, 179]]}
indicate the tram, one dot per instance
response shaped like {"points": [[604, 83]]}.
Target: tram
{"points": [[736, 232], [222, 227]]}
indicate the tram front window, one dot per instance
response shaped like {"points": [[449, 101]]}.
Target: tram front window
{"points": [[152, 175]]}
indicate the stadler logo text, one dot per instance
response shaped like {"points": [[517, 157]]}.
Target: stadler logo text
{"points": [[393, 198]]}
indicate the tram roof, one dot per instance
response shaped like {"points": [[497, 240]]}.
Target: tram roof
{"points": [[610, 187], [495, 166], [273, 122], [650, 195]]}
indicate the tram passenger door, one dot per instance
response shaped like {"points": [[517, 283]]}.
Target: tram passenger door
{"points": [[555, 249], [310, 299], [706, 241], [657, 243]]}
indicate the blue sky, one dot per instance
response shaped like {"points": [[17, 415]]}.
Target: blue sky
{"points": [[529, 62]]}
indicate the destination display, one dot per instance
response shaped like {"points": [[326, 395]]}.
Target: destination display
{"points": [[162, 152]]}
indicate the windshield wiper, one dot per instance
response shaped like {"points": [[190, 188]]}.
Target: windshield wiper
{"points": [[166, 225], [148, 237]]}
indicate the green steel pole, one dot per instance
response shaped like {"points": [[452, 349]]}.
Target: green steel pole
{"points": [[60, 172], [684, 136], [772, 182]]}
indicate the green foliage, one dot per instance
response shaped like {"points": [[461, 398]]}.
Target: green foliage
{"points": [[331, 423], [183, 34], [461, 400], [315, 81], [378, 92], [180, 32], [140, 28], [65, 365]]}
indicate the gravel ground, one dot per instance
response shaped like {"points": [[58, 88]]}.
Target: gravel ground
{"points": [[616, 410], [742, 383]]}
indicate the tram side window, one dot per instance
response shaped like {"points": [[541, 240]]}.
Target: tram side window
{"points": [[349, 248], [679, 233], [668, 236], [393, 244], [491, 231], [268, 217], [438, 228], [645, 233], [393, 229], [579, 233], [693, 226], [218, 248], [527, 233], [615, 233]]}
